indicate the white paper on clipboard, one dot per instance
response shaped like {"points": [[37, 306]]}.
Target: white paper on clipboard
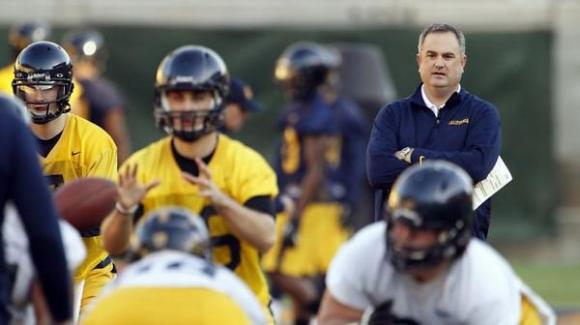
{"points": [[497, 178]]}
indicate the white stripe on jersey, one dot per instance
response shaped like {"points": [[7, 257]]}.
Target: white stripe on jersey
{"points": [[172, 269]]}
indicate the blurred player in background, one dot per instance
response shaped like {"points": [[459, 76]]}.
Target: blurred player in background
{"points": [[312, 172], [230, 185], [69, 146], [346, 181], [239, 104], [100, 98], [365, 78], [21, 183], [173, 279], [421, 266], [19, 37]]}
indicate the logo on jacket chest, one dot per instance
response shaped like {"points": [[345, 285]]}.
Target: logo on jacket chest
{"points": [[459, 122]]}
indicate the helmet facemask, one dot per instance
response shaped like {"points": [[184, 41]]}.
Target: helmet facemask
{"points": [[450, 242], [52, 108], [188, 125], [302, 84]]}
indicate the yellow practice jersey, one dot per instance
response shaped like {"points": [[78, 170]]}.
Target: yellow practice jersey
{"points": [[77, 103], [6, 76], [239, 171], [175, 288], [83, 150]]}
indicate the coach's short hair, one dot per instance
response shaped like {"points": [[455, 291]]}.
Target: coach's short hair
{"points": [[442, 28]]}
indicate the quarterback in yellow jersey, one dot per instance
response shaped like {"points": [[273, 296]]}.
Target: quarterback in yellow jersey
{"points": [[173, 278], [70, 147], [230, 185]]}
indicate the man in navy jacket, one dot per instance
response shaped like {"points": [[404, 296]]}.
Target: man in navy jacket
{"points": [[22, 183], [441, 120]]}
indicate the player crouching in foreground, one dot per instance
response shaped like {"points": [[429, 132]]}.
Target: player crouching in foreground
{"points": [[173, 279], [420, 265], [27, 303]]}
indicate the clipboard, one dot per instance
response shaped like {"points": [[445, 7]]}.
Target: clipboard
{"points": [[499, 177]]}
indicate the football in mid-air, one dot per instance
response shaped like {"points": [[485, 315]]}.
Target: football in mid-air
{"points": [[85, 202]]}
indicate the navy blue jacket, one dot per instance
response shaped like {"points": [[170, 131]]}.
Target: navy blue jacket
{"points": [[22, 182], [467, 133]]}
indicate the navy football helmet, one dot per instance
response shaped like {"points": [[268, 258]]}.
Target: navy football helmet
{"points": [[196, 69], [43, 66], [22, 35], [436, 195], [303, 67], [88, 45], [171, 228]]}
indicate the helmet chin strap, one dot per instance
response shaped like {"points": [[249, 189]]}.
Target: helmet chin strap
{"points": [[417, 259]]}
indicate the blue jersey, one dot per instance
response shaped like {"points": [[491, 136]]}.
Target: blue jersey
{"points": [[346, 179], [101, 97], [298, 121]]}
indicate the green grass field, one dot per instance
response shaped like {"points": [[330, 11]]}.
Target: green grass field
{"points": [[558, 284]]}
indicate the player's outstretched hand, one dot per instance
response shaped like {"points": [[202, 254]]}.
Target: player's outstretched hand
{"points": [[129, 191], [207, 188]]}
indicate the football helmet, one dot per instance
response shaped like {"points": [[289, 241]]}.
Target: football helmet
{"points": [[196, 69], [171, 228], [43, 66], [86, 45], [22, 35], [14, 104], [436, 195], [303, 67]]}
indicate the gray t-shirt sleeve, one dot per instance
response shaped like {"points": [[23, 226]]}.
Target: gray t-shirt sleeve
{"points": [[352, 269]]}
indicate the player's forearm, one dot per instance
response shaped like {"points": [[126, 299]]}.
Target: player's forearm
{"points": [[116, 232], [333, 312], [310, 184], [254, 227]]}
